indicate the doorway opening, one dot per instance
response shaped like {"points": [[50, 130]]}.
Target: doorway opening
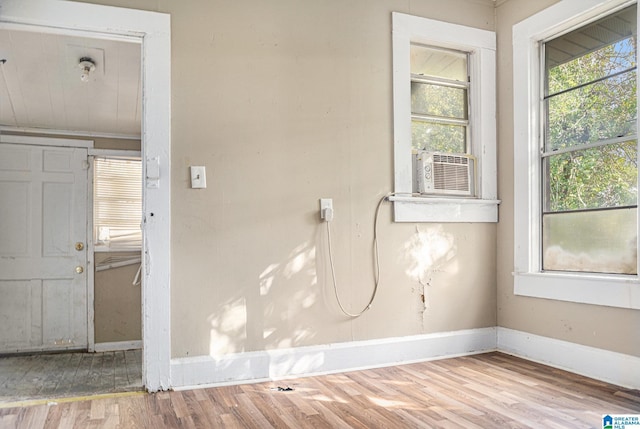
{"points": [[153, 31]]}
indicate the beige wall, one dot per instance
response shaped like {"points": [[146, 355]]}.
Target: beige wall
{"points": [[604, 327], [117, 302], [285, 102]]}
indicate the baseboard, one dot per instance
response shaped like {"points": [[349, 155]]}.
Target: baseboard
{"points": [[616, 368], [117, 346], [325, 359]]}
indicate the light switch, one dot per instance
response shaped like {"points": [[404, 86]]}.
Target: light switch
{"points": [[198, 177]]}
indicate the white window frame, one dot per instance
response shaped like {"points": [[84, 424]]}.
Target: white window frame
{"points": [[481, 47], [529, 279]]}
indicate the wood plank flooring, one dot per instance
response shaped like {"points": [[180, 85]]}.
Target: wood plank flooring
{"points": [[69, 374], [483, 391]]}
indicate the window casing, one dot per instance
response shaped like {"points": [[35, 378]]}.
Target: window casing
{"points": [[457, 107], [539, 213]]}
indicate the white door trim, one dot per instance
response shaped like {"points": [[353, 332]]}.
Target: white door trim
{"points": [[91, 264], [154, 29]]}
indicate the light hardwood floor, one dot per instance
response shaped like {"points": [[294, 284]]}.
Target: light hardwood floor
{"points": [[491, 390]]}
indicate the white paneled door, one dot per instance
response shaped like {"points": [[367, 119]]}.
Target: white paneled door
{"points": [[43, 240]]}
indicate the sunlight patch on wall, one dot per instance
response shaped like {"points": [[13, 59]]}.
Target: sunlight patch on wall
{"points": [[287, 289], [228, 328], [266, 279], [427, 250], [300, 258]]}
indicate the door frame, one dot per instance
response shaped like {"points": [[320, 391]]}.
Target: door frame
{"points": [[154, 30]]}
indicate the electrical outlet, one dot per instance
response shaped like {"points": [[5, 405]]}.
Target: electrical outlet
{"points": [[326, 203]]}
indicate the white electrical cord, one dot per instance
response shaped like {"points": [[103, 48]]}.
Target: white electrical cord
{"points": [[376, 260]]}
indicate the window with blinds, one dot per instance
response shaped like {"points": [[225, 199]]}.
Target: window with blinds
{"points": [[117, 204]]}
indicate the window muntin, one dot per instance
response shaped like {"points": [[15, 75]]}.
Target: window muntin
{"points": [[117, 204], [439, 100], [589, 156]]}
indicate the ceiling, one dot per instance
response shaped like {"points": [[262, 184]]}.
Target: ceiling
{"points": [[41, 89]]}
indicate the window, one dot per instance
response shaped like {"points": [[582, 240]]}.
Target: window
{"points": [[589, 157], [117, 204], [444, 122], [575, 147], [439, 93]]}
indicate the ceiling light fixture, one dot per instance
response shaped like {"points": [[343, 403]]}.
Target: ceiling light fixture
{"points": [[87, 66]]}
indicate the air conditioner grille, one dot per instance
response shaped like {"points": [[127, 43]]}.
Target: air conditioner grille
{"points": [[451, 159], [450, 176]]}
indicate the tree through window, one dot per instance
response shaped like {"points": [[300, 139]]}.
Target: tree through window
{"points": [[589, 154]]}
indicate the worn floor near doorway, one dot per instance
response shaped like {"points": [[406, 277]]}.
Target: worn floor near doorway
{"points": [[50, 376]]}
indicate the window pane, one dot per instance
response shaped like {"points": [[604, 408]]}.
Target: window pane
{"points": [[595, 112], [438, 63], [118, 203], [438, 100], [597, 50], [435, 137], [600, 177], [602, 241]]}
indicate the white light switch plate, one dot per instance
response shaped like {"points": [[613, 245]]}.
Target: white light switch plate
{"points": [[198, 177]]}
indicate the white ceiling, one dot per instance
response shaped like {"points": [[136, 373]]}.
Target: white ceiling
{"points": [[40, 86]]}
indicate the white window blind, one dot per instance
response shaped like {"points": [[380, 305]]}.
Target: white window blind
{"points": [[117, 204]]}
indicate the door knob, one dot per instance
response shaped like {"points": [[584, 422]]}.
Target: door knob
{"points": [[79, 245], [79, 269]]}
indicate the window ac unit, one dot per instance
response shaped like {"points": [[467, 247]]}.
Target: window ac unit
{"points": [[445, 174]]}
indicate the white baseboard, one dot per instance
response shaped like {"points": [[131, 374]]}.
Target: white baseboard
{"points": [[325, 359], [616, 368], [117, 346]]}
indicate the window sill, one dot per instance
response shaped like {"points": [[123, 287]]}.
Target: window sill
{"points": [[611, 291], [439, 209]]}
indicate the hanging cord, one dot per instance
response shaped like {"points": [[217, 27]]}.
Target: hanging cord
{"points": [[376, 259]]}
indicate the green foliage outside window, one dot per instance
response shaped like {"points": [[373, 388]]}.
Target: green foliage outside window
{"points": [[599, 105]]}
